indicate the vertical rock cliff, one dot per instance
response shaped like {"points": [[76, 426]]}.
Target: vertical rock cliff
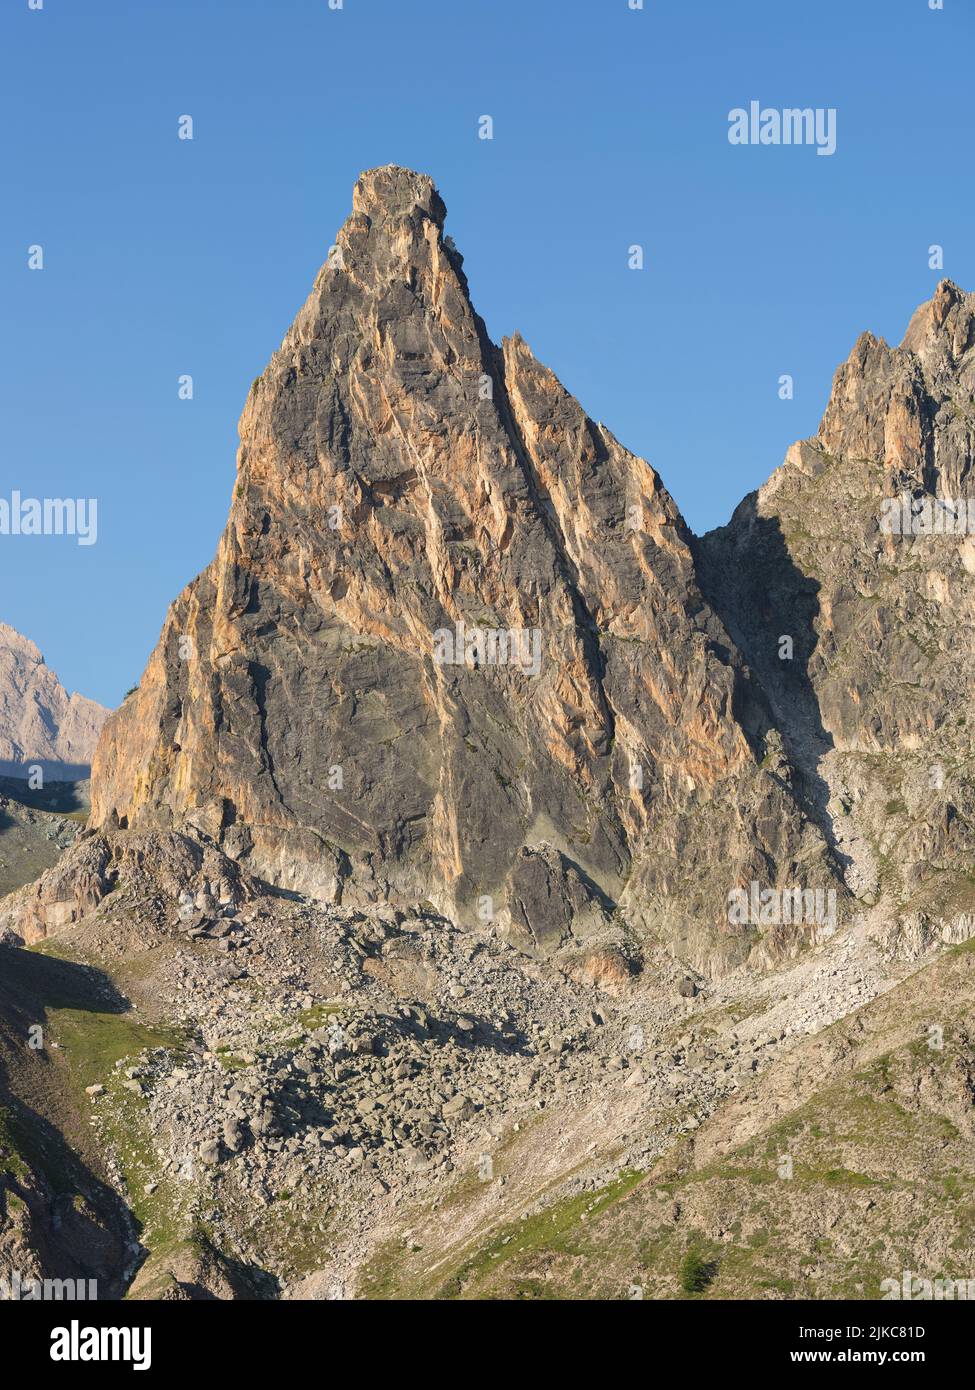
{"points": [[453, 644]]}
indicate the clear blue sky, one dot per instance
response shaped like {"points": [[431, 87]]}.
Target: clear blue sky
{"points": [[165, 257]]}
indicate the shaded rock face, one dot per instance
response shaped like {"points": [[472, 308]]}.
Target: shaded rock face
{"points": [[873, 704], [450, 620], [40, 723]]}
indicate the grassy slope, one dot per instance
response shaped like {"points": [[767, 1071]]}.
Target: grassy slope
{"points": [[882, 1180], [45, 1116]]}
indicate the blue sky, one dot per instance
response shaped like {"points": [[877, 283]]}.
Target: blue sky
{"points": [[164, 257]]}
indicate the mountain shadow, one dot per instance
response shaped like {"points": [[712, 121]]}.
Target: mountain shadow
{"points": [[79, 1228], [769, 607]]}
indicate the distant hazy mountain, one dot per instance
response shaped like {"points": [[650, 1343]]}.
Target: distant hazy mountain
{"points": [[40, 723]]}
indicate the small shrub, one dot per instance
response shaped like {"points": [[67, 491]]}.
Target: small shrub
{"points": [[696, 1272]]}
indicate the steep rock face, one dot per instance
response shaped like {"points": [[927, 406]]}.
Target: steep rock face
{"points": [[39, 721], [312, 705], [873, 700]]}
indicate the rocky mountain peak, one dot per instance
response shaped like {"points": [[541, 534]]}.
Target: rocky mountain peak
{"points": [[943, 322], [880, 617], [453, 644], [391, 191], [17, 645], [888, 403], [40, 723], [458, 643]]}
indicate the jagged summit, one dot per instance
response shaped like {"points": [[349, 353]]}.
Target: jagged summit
{"points": [[888, 403], [392, 191], [947, 316]]}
